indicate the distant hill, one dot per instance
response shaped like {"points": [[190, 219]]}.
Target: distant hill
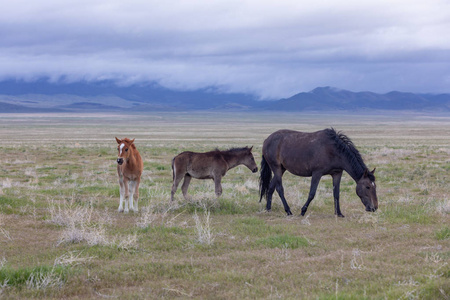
{"points": [[106, 95], [44, 96], [327, 98]]}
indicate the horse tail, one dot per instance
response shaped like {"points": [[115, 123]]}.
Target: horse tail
{"points": [[264, 178], [173, 169]]}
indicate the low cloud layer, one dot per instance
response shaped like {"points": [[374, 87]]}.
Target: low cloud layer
{"points": [[271, 49]]}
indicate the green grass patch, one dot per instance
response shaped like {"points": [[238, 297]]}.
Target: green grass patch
{"points": [[157, 166], [163, 230], [411, 213], [101, 190], [252, 226], [221, 206], [19, 277], [99, 251], [45, 169], [228, 207], [437, 289], [168, 270], [443, 234], [10, 205], [284, 241], [163, 238]]}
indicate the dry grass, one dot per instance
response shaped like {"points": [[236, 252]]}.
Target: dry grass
{"points": [[204, 229], [59, 223]]}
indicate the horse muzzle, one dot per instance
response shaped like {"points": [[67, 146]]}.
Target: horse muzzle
{"points": [[370, 209], [120, 161], [255, 170]]}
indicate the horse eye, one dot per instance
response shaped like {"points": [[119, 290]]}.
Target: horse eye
{"points": [[368, 187], [126, 150]]}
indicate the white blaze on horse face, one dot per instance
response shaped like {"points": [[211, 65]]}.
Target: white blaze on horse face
{"points": [[373, 183], [121, 148]]}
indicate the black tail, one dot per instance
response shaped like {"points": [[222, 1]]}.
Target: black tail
{"points": [[264, 179]]}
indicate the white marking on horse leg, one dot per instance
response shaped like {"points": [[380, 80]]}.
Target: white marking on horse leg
{"points": [[121, 148], [131, 188], [136, 203], [136, 195], [122, 194], [121, 202], [125, 201]]}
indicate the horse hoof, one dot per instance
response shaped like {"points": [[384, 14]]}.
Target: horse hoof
{"points": [[303, 212], [120, 210], [341, 216], [289, 213]]}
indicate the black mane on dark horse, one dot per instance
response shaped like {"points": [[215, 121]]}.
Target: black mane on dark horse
{"points": [[345, 146]]}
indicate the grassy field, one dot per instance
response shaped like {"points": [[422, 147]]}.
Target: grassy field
{"points": [[62, 237]]}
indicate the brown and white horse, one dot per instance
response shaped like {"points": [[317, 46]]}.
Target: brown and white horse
{"points": [[209, 165], [129, 168]]}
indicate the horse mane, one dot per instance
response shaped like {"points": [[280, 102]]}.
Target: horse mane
{"points": [[230, 152], [234, 150], [346, 147]]}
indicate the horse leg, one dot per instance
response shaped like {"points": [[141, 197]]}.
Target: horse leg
{"points": [[218, 185], [184, 187], [276, 183], [270, 191], [127, 194], [122, 193], [132, 189], [136, 195], [176, 182], [336, 187], [312, 191], [280, 191]]}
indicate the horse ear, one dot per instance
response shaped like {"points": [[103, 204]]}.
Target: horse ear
{"points": [[132, 141], [366, 172], [251, 148], [373, 171], [118, 141]]}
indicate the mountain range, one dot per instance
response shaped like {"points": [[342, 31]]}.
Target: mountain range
{"points": [[45, 96]]}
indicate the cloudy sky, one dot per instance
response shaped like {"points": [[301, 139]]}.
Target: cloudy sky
{"points": [[272, 48]]}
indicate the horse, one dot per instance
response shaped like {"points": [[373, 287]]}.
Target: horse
{"points": [[209, 165], [314, 155], [129, 169]]}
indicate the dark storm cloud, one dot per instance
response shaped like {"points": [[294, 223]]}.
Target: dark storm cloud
{"points": [[273, 49]]}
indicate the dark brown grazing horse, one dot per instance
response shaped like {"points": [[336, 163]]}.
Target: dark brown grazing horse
{"points": [[210, 165], [129, 168], [315, 154]]}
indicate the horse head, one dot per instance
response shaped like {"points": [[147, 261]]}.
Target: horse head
{"points": [[366, 189], [249, 160], [124, 149]]}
